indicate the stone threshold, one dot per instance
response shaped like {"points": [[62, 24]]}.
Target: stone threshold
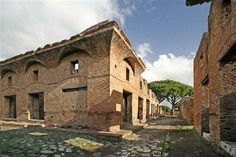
{"points": [[20, 124], [229, 147], [224, 148]]}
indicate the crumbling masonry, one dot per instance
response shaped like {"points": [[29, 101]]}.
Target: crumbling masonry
{"points": [[215, 73], [92, 80]]}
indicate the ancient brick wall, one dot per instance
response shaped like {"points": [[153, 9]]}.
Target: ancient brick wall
{"points": [[187, 109], [123, 58], [87, 96], [220, 80]]}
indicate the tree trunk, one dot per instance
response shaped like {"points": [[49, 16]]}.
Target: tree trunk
{"points": [[173, 107]]}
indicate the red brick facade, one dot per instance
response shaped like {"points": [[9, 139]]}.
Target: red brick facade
{"points": [[78, 82], [215, 74]]}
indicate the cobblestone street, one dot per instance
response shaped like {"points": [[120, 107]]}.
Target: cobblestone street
{"points": [[163, 137]]}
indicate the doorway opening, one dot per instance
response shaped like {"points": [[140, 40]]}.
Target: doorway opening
{"points": [[228, 118], [147, 109], [140, 108], [127, 107], [11, 101], [37, 106]]}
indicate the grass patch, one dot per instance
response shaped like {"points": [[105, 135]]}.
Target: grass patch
{"points": [[165, 146], [184, 127]]}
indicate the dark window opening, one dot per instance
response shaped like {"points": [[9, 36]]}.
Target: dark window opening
{"points": [[127, 74], [37, 106], [227, 117], [226, 2], [226, 8], [141, 85], [35, 75], [74, 67], [11, 100], [205, 81], [230, 56], [9, 81], [74, 89]]}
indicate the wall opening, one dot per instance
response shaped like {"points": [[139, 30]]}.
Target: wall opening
{"points": [[36, 107], [141, 85], [11, 102], [74, 67], [205, 97], [226, 9], [228, 95], [140, 108], [205, 119], [127, 74], [9, 81], [228, 118], [35, 75], [127, 107], [147, 109]]}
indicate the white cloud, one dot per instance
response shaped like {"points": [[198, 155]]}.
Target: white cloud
{"points": [[144, 49], [167, 66], [26, 25], [128, 7]]}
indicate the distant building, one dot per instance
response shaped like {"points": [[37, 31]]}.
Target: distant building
{"points": [[91, 80]]}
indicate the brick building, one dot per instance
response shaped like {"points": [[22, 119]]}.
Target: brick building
{"points": [[91, 80], [215, 73], [186, 109]]}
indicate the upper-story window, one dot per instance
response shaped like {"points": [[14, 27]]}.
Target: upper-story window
{"points": [[141, 85], [127, 74], [35, 75], [226, 8], [9, 81], [74, 67], [201, 61]]}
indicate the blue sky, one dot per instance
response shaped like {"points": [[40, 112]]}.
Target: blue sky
{"points": [[164, 33], [168, 25]]}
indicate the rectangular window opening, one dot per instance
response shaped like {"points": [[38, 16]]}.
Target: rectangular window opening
{"points": [[9, 81], [127, 74], [141, 85], [74, 67], [35, 75], [83, 88]]}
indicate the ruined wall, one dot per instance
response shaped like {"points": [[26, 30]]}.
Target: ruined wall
{"points": [[201, 83], [187, 109], [221, 40]]}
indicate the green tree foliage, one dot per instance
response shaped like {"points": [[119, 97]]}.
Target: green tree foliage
{"points": [[165, 109], [170, 90]]}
